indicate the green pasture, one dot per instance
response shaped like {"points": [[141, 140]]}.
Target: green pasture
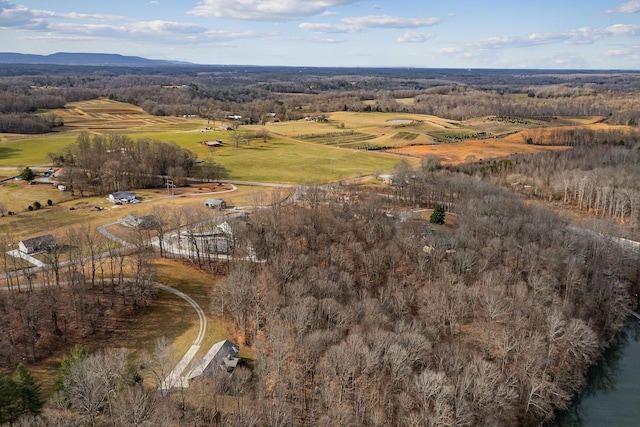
{"points": [[29, 150], [278, 160]]}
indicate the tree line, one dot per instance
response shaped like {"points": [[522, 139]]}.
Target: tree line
{"points": [[597, 176], [103, 164], [292, 95]]}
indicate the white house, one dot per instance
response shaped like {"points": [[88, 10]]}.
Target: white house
{"points": [[37, 244], [215, 203], [122, 197], [143, 222]]}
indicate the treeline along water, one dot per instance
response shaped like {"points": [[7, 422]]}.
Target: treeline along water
{"points": [[612, 395]]}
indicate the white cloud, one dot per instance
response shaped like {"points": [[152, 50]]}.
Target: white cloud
{"points": [[18, 16], [632, 6], [413, 37], [624, 30], [584, 35], [386, 21], [82, 27], [265, 10], [360, 23], [326, 28], [616, 52]]}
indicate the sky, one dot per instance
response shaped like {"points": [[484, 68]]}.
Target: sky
{"points": [[544, 34]]}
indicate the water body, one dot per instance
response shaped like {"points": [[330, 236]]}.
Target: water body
{"points": [[400, 121], [612, 396]]}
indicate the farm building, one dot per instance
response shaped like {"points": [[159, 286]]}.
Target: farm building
{"points": [[37, 244], [216, 143], [122, 197], [215, 203], [222, 356]]}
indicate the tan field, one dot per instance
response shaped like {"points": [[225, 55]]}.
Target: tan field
{"points": [[109, 115]]}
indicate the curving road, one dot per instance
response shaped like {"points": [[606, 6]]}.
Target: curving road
{"points": [[175, 377]]}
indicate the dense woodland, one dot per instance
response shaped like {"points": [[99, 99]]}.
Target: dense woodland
{"points": [[360, 311]]}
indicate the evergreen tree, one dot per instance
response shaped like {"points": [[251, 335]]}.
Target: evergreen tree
{"points": [[27, 174], [27, 392], [9, 408], [437, 217], [76, 356]]}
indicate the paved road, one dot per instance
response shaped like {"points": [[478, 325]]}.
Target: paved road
{"points": [[176, 377]]}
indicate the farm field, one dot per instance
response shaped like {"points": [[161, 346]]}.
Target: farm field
{"points": [[347, 145], [280, 159]]}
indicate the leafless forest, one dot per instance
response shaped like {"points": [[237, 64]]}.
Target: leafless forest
{"points": [[362, 312]]}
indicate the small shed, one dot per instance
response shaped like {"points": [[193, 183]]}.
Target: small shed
{"points": [[215, 203], [42, 243]]}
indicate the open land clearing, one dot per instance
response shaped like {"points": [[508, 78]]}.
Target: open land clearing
{"points": [[68, 212], [298, 152]]}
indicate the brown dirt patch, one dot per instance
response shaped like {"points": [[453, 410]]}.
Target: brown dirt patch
{"points": [[481, 149], [473, 150]]}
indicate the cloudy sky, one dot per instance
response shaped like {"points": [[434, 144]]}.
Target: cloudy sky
{"points": [[585, 34]]}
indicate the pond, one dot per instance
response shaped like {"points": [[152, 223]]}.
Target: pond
{"points": [[612, 396], [400, 121]]}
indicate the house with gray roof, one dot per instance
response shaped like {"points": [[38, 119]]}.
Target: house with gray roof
{"points": [[37, 244], [215, 203], [223, 356], [123, 197]]}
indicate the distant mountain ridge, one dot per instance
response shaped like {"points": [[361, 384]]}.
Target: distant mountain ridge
{"points": [[90, 59]]}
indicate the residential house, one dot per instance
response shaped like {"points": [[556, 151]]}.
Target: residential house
{"points": [[222, 356], [145, 222], [220, 245], [122, 197], [215, 203], [42, 243]]}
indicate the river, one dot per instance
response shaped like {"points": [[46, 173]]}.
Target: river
{"points": [[612, 396]]}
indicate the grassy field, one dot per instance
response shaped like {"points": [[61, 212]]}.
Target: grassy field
{"points": [[283, 158], [68, 212]]}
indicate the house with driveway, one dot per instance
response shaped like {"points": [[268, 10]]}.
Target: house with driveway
{"points": [[223, 356], [123, 197], [38, 244], [215, 203]]}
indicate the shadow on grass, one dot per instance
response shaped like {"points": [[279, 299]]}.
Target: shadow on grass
{"points": [[9, 152]]}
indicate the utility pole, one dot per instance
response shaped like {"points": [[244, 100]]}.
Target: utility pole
{"points": [[170, 188]]}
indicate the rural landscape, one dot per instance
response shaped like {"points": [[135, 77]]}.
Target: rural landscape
{"points": [[280, 246]]}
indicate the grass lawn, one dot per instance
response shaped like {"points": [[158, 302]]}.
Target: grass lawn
{"points": [[58, 218]]}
